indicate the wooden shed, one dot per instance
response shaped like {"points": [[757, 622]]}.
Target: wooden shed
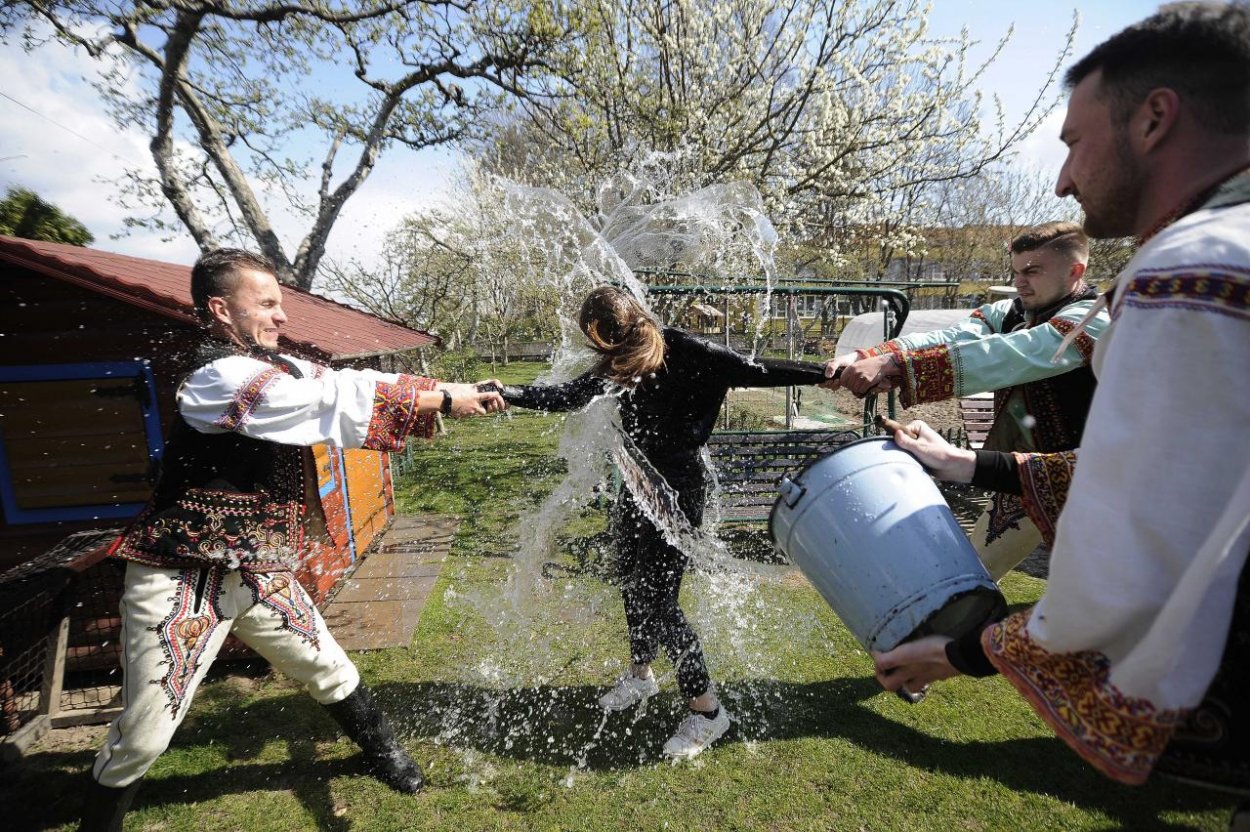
{"points": [[92, 346]]}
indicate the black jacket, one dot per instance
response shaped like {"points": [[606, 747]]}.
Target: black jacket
{"points": [[670, 415]]}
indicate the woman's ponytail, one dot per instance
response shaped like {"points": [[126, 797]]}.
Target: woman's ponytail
{"points": [[621, 330]]}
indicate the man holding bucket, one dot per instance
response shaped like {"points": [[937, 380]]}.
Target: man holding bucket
{"points": [[1138, 654], [1009, 347]]}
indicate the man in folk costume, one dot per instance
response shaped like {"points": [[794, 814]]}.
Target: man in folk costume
{"points": [[213, 553], [1040, 404], [1138, 654]]}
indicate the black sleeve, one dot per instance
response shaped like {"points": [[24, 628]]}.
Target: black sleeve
{"points": [[997, 471], [968, 657], [736, 370], [568, 396]]}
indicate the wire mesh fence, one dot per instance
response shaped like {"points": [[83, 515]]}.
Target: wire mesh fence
{"points": [[92, 681], [24, 630], [59, 623]]}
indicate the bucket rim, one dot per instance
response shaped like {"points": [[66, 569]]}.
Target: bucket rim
{"points": [[863, 440], [798, 475]]}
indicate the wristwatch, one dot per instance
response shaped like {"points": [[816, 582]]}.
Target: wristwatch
{"points": [[445, 407]]}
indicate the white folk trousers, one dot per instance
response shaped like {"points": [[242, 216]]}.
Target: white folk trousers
{"points": [[1004, 538], [174, 622]]}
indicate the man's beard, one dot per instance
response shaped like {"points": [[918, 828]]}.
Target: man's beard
{"points": [[1115, 215]]}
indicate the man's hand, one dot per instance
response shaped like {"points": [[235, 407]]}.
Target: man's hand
{"points": [[874, 374], [914, 664], [833, 371], [468, 400], [939, 457]]}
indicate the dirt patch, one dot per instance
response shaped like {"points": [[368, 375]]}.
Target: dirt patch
{"points": [[941, 416], [74, 738], [793, 578]]}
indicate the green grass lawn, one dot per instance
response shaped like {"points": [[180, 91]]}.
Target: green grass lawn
{"points": [[505, 723]]}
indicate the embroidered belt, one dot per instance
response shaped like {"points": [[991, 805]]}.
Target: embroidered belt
{"points": [[227, 529]]}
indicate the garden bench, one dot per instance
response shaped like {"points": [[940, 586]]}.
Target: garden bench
{"points": [[978, 415], [749, 464]]}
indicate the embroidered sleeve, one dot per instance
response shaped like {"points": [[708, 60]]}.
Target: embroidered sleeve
{"points": [[246, 397], [995, 361], [869, 352], [1121, 736], [1084, 343], [341, 408], [928, 374], [395, 416], [1045, 479], [1216, 289]]}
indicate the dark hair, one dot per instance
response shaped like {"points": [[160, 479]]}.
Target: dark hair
{"points": [[214, 275], [621, 330], [1066, 237], [1201, 50]]}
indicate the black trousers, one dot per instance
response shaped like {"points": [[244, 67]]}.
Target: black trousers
{"points": [[651, 570]]}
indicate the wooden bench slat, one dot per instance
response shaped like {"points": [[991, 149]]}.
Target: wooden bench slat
{"points": [[749, 465]]}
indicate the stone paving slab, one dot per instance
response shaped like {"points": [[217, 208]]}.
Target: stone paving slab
{"points": [[369, 590], [380, 605], [405, 565]]}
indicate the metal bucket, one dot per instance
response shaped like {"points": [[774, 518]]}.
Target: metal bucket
{"points": [[871, 531]]}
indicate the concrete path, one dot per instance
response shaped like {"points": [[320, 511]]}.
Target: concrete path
{"points": [[380, 604]]}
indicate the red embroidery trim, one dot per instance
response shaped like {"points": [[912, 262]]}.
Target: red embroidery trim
{"points": [[1083, 343], [395, 416], [928, 374], [1121, 736], [246, 398], [1046, 479]]}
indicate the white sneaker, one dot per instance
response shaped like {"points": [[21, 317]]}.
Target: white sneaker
{"points": [[696, 733], [629, 690]]}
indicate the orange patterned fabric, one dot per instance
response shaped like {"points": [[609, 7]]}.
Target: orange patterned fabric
{"points": [[1120, 736], [879, 349], [395, 416], [1046, 479]]}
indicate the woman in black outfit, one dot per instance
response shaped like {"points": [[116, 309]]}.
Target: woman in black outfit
{"points": [[673, 385]]}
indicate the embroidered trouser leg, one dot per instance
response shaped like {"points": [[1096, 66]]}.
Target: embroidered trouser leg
{"points": [[174, 623], [1003, 542]]}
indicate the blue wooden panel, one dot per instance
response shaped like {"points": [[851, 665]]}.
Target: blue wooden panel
{"points": [[72, 372]]}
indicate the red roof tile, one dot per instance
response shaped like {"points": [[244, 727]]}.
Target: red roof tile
{"points": [[317, 326]]}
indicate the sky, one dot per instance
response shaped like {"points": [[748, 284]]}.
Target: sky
{"points": [[56, 139]]}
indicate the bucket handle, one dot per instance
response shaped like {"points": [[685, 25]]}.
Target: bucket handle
{"points": [[791, 491]]}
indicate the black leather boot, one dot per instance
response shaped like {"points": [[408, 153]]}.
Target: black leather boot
{"points": [[104, 807], [363, 721]]}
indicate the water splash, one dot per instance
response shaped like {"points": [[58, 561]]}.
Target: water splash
{"points": [[642, 223]]}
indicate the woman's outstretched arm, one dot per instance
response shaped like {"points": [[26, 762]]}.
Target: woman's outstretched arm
{"points": [[572, 395]]}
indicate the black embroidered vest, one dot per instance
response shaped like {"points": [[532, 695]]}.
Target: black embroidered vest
{"points": [[222, 499], [1059, 404]]}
